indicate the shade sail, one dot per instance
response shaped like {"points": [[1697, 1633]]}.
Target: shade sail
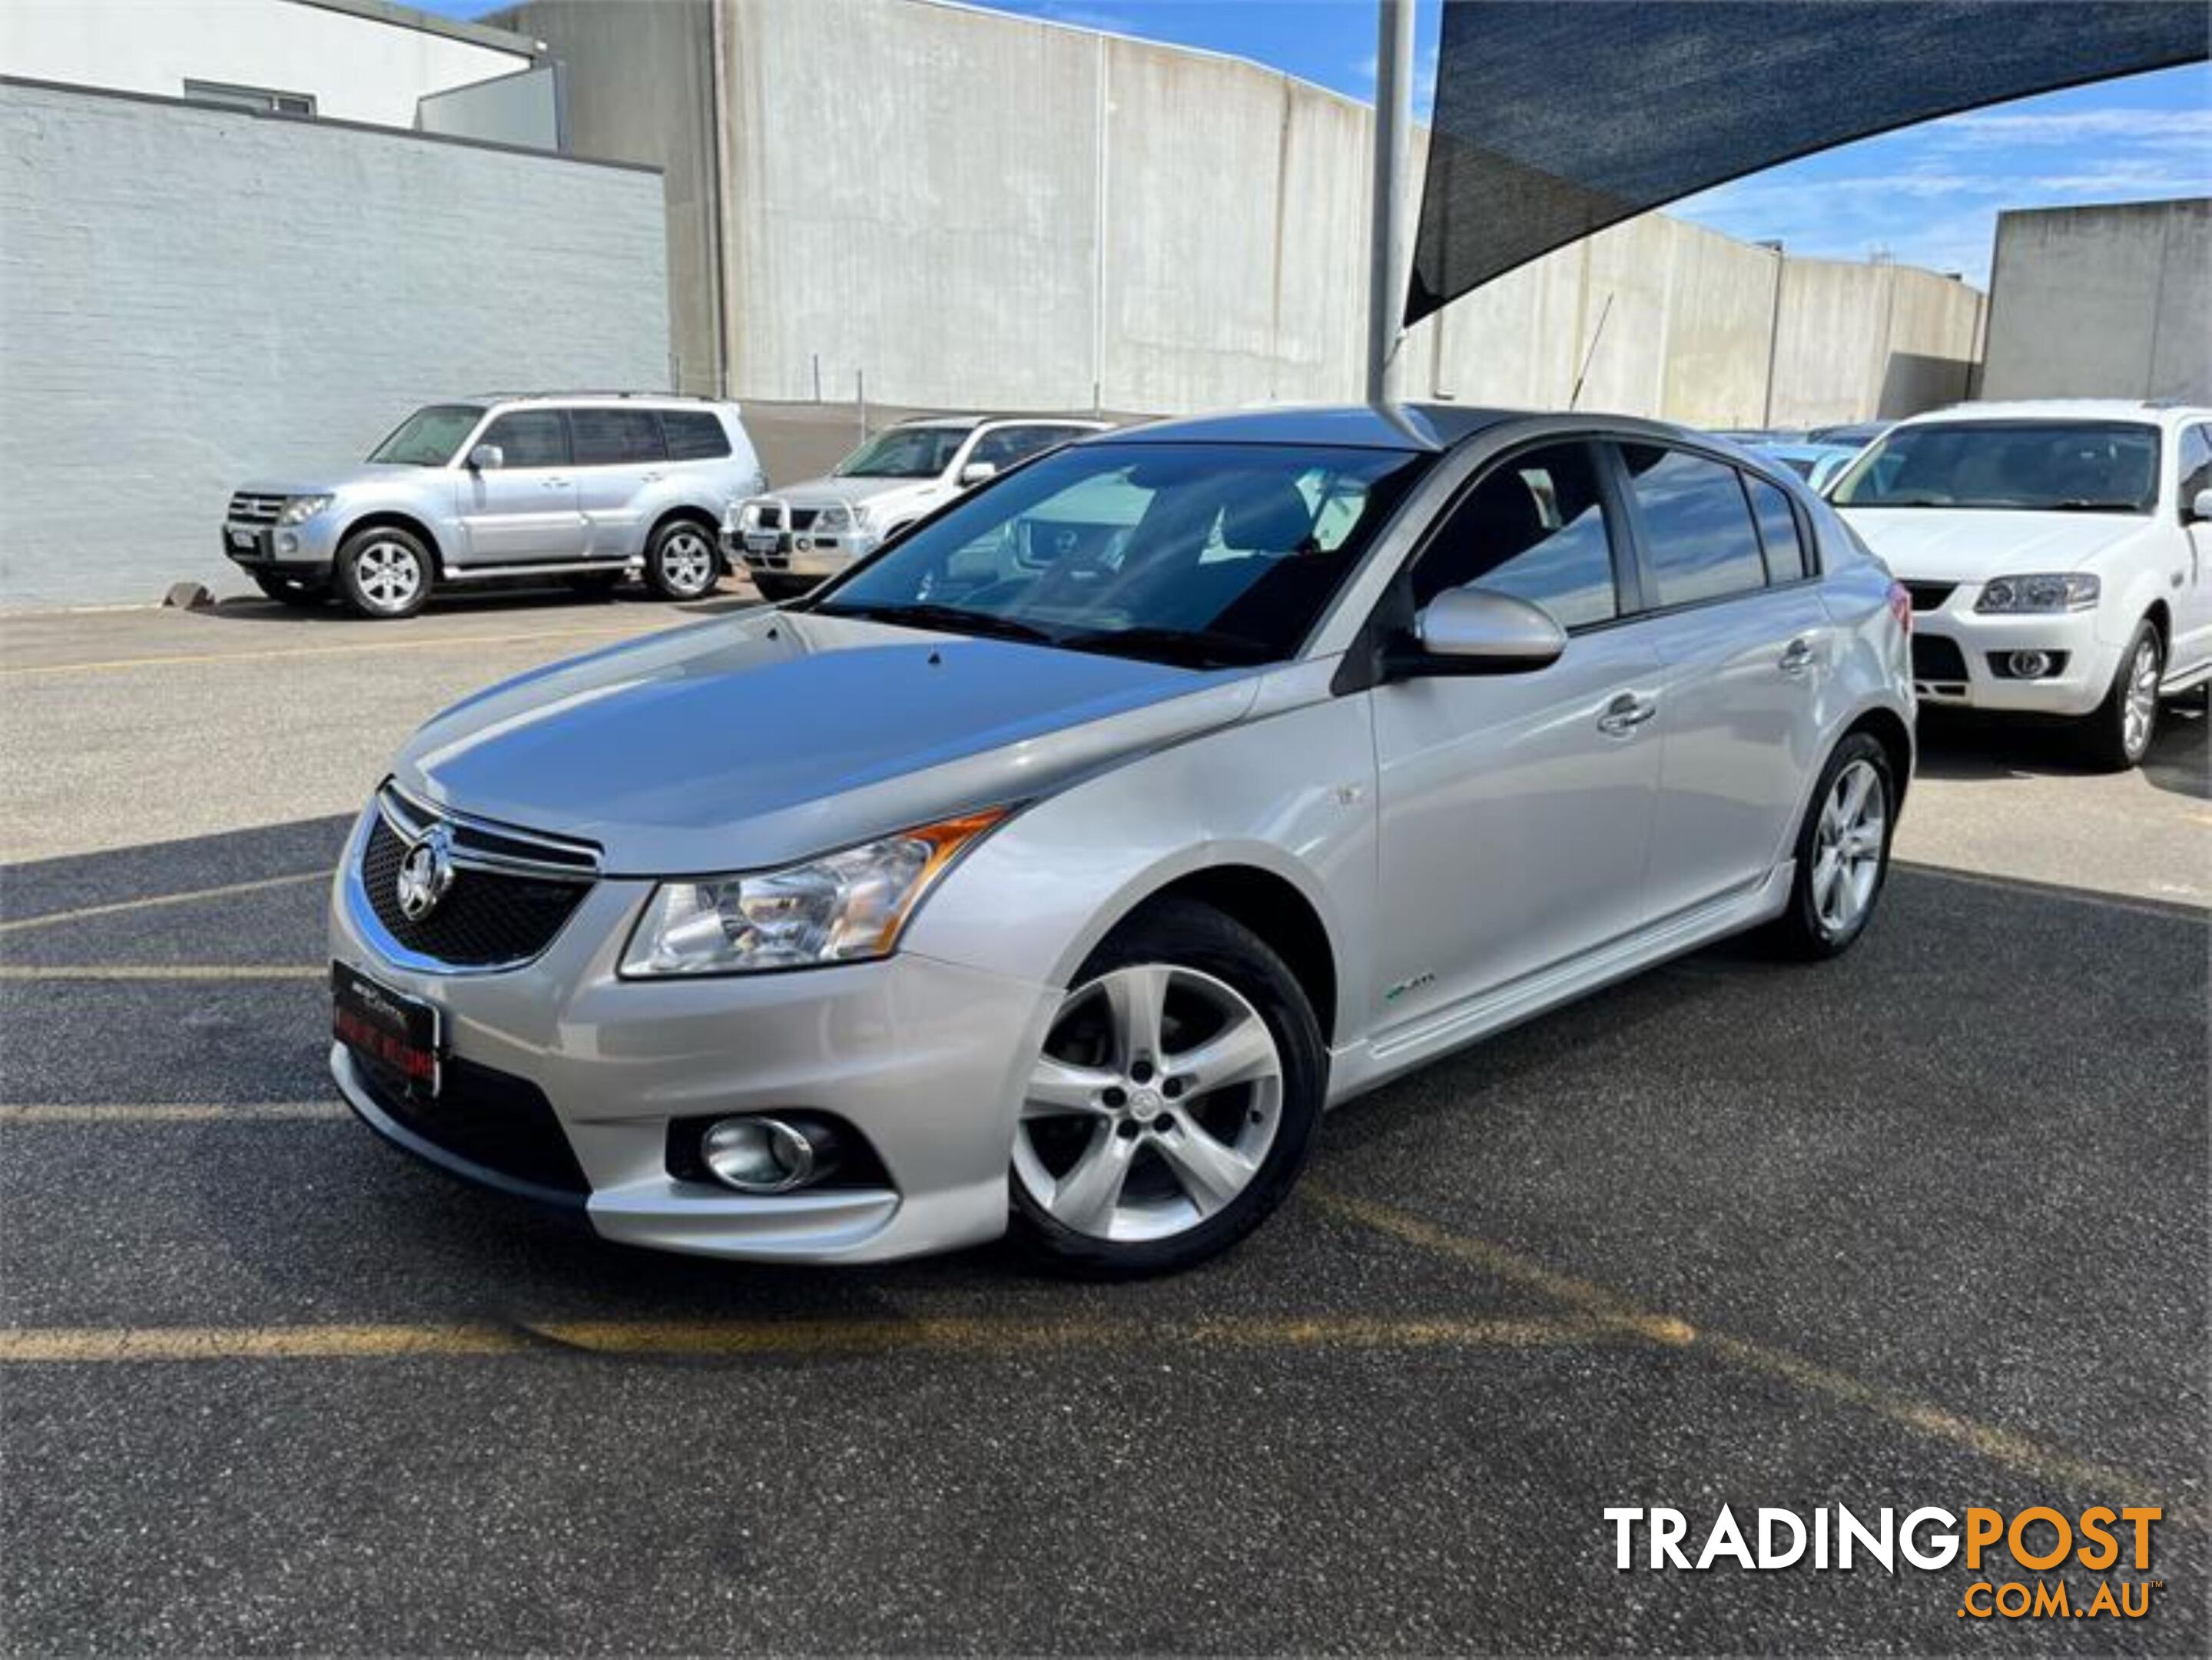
{"points": [[1554, 120]]}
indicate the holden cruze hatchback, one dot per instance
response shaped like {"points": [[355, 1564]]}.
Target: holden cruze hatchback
{"points": [[1060, 864]]}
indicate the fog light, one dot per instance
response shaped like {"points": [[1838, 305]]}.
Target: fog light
{"points": [[287, 543], [761, 1155], [2029, 665]]}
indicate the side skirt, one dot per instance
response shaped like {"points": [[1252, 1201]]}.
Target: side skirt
{"points": [[1364, 1065]]}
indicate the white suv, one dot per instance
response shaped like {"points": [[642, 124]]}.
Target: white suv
{"points": [[790, 541], [2058, 554], [588, 488]]}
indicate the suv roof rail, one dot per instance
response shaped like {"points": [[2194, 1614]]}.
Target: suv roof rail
{"points": [[589, 392]]}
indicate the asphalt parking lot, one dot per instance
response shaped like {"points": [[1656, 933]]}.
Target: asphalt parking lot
{"points": [[1928, 1225]]}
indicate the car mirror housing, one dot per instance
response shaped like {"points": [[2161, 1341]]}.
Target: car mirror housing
{"points": [[976, 472], [487, 458], [2201, 507], [1475, 631]]}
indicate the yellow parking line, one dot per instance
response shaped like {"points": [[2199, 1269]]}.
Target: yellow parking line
{"points": [[163, 971], [2046, 1463], [85, 913], [273, 653], [961, 1334], [165, 1112]]}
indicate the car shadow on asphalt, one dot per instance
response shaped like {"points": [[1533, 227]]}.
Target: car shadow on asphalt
{"points": [[1971, 747], [492, 601]]}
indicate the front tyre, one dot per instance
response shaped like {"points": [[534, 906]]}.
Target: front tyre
{"points": [[680, 561], [2117, 735], [384, 573], [1842, 852], [1175, 1101]]}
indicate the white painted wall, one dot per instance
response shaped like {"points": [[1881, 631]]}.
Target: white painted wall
{"points": [[356, 68]]}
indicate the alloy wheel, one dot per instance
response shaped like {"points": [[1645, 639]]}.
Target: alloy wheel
{"points": [[687, 564], [1152, 1107], [2139, 712], [388, 575], [1849, 841]]}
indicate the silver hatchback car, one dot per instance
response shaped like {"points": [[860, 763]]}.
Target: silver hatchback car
{"points": [[1090, 841]]}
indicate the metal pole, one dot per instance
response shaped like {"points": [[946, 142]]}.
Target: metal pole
{"points": [[1387, 239]]}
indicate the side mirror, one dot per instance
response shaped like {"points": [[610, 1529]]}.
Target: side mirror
{"points": [[2201, 508], [487, 458], [1475, 631], [976, 472]]}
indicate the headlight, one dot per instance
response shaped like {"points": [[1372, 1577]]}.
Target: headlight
{"points": [[842, 907], [835, 516], [2072, 591], [301, 508]]}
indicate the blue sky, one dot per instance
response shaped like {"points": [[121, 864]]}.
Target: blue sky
{"points": [[1928, 195]]}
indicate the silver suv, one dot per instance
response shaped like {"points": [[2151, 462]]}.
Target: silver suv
{"points": [[591, 488], [791, 540], [1089, 839]]}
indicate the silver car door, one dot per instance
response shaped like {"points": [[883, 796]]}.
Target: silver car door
{"points": [[1747, 645], [524, 509], [620, 456], [1516, 810]]}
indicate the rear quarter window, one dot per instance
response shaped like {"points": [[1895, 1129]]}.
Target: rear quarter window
{"points": [[693, 435]]}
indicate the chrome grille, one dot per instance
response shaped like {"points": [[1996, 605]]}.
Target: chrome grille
{"points": [[802, 518], [246, 508], [513, 890]]}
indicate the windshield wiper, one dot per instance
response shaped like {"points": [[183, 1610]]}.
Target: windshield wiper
{"points": [[948, 619], [1197, 649], [2091, 505]]}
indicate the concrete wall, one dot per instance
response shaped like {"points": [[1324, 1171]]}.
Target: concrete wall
{"points": [[646, 96], [1854, 341], [971, 209], [523, 108], [169, 325], [357, 68], [2102, 302]]}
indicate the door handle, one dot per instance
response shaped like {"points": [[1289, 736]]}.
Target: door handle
{"points": [[1796, 656], [1626, 713]]}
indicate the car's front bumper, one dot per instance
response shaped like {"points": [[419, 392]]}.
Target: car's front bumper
{"points": [[308, 549], [1958, 657], [797, 553], [924, 1060]]}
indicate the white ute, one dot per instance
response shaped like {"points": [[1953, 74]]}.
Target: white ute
{"points": [[2058, 554]]}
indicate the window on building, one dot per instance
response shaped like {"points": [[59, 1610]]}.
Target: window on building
{"points": [[267, 100], [613, 437], [1697, 525]]}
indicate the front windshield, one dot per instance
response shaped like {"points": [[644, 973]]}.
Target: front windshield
{"points": [[903, 453], [429, 437], [2040, 467], [1204, 555]]}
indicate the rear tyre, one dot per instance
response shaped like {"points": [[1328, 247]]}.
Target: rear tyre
{"points": [[1175, 1103], [295, 591], [2118, 735], [680, 562], [384, 573], [1842, 853]]}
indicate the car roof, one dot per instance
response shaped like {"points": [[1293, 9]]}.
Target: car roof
{"points": [[2063, 409], [1412, 426], [649, 399]]}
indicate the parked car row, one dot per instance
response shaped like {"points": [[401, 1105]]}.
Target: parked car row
{"points": [[595, 488]]}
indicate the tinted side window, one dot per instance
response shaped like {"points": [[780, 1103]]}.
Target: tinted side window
{"points": [[1008, 445], [606, 436], [1534, 527], [2196, 462], [530, 438], [1777, 531], [693, 435], [1697, 527]]}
